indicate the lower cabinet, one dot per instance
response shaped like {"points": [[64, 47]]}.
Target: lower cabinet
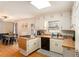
{"points": [[39, 42], [27, 46], [56, 45], [33, 45]]}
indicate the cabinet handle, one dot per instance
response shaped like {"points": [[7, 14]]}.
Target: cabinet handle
{"points": [[34, 43], [56, 44], [68, 48]]}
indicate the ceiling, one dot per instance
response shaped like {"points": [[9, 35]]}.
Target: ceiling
{"points": [[23, 9]]}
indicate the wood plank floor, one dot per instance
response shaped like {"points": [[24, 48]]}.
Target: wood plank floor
{"points": [[13, 51]]}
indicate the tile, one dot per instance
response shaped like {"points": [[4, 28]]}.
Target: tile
{"points": [[49, 53]]}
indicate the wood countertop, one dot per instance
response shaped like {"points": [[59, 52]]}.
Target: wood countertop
{"points": [[68, 43], [48, 36]]}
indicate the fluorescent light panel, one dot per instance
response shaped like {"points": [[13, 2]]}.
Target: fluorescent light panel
{"points": [[41, 4]]}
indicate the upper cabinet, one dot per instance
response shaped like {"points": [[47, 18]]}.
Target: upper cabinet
{"points": [[66, 21], [62, 18], [39, 24]]}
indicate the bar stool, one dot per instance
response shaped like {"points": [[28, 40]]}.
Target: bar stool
{"points": [[3, 39], [6, 40]]}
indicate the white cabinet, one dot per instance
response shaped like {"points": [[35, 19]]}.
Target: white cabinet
{"points": [[32, 45], [56, 45], [66, 21], [39, 42], [66, 24], [28, 45], [39, 23]]}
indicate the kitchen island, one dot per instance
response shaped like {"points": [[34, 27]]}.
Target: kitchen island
{"points": [[28, 45]]}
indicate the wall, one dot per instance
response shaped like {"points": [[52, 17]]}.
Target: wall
{"points": [[41, 21], [63, 17], [22, 30], [75, 22], [6, 27]]}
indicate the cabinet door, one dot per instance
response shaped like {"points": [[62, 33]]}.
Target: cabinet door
{"points": [[39, 42], [39, 24], [66, 24], [30, 46], [35, 42], [56, 45], [52, 45]]}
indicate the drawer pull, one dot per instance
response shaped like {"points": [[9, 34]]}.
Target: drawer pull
{"points": [[34, 43], [56, 44]]}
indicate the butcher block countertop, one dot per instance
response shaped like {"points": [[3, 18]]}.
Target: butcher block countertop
{"points": [[48, 36], [68, 43]]}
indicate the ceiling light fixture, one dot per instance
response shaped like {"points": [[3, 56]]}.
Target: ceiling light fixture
{"points": [[41, 4], [3, 18]]}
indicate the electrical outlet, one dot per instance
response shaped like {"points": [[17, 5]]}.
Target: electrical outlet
{"points": [[77, 53]]}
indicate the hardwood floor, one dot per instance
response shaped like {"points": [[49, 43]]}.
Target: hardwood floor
{"points": [[36, 54], [13, 51]]}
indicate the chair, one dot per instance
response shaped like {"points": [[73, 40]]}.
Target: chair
{"points": [[4, 39], [12, 40]]}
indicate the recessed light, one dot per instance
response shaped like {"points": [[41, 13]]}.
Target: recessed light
{"points": [[41, 4]]}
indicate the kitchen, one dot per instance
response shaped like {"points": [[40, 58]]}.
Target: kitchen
{"points": [[51, 27], [64, 45], [50, 31]]}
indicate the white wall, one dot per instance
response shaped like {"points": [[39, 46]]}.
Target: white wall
{"points": [[24, 30], [75, 22], [6, 27]]}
